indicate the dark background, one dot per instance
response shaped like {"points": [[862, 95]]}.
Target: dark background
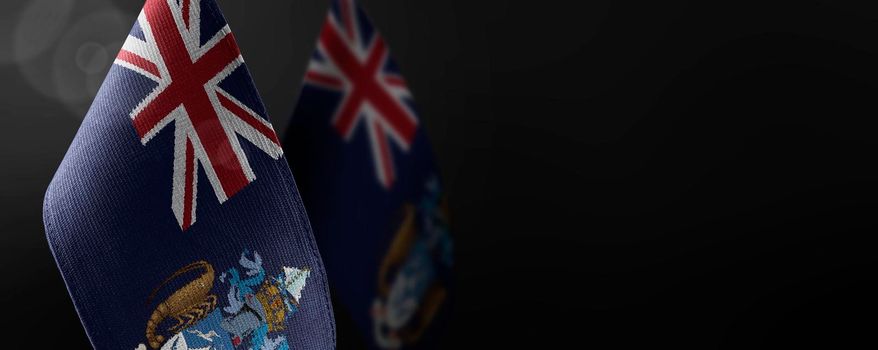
{"points": [[622, 174]]}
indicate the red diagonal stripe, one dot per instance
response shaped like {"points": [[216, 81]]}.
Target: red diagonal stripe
{"points": [[186, 5], [248, 118], [376, 56], [139, 62], [218, 58], [394, 80], [397, 117], [347, 18], [340, 54], [323, 79], [385, 159]]}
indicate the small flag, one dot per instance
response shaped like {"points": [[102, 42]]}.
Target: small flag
{"points": [[174, 218], [371, 187]]}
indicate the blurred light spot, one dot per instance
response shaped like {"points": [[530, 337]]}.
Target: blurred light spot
{"points": [[9, 13], [92, 58], [39, 27], [73, 70]]}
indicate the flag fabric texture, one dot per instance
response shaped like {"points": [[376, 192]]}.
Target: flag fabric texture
{"points": [[368, 179], [174, 218]]}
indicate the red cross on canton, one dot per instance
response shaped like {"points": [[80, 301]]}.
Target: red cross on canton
{"points": [[206, 118], [372, 97]]}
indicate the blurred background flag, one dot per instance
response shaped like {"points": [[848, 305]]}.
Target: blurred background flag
{"points": [[368, 178], [174, 217]]}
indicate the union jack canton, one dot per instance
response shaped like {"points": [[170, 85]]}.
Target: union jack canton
{"points": [[352, 59], [178, 117], [189, 65]]}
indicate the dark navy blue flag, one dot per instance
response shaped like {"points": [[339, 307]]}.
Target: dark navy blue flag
{"points": [[372, 189], [174, 217]]}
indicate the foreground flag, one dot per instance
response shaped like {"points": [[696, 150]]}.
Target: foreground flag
{"points": [[371, 187], [174, 218]]}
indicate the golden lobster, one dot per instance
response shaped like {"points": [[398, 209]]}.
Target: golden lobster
{"points": [[187, 305]]}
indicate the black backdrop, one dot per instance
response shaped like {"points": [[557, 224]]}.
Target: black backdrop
{"points": [[696, 174]]}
